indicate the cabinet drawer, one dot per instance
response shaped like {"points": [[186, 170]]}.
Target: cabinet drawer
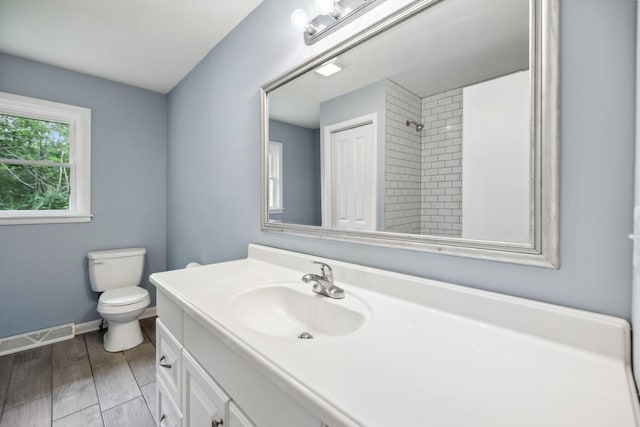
{"points": [[204, 403], [168, 414], [168, 361], [171, 314], [237, 418]]}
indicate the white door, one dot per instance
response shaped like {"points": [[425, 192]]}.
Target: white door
{"points": [[353, 178], [204, 402]]}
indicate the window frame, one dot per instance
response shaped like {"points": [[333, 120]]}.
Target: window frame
{"points": [[79, 121], [277, 149]]}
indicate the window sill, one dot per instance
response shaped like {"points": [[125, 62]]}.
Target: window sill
{"points": [[276, 211], [44, 218]]}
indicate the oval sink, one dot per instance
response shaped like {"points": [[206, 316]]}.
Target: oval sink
{"points": [[289, 310]]}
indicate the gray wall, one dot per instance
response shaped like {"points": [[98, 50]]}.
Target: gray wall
{"points": [[214, 162], [43, 273], [301, 173], [360, 102]]}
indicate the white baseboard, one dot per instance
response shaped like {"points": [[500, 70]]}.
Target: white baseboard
{"points": [[28, 340], [94, 325]]}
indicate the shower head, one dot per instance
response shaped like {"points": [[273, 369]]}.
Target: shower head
{"points": [[418, 126]]}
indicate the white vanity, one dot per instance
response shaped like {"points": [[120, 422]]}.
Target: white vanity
{"points": [[396, 351]]}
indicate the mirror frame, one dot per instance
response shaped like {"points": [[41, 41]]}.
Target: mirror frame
{"points": [[544, 250]]}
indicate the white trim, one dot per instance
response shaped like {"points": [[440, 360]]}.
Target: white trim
{"points": [[79, 121], [45, 219], [149, 312], [94, 325], [277, 148], [34, 162], [325, 179], [83, 328]]}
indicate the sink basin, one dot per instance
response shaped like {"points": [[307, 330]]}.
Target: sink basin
{"points": [[288, 310]]}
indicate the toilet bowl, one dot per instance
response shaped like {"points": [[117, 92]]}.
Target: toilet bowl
{"points": [[117, 273], [121, 308]]}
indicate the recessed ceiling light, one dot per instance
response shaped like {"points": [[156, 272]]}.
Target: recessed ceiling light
{"points": [[328, 69]]}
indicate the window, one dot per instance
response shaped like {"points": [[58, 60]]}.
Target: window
{"points": [[45, 161], [274, 161]]}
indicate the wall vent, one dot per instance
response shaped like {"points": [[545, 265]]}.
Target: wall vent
{"points": [[35, 339]]}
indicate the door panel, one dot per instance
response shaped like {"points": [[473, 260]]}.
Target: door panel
{"points": [[203, 400], [353, 178]]}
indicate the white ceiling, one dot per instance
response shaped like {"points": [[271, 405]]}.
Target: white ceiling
{"points": [[453, 44], [151, 44]]}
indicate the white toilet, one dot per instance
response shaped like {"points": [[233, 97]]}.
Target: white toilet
{"points": [[117, 274]]}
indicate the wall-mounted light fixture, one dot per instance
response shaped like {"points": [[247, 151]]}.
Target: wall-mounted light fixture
{"points": [[332, 14]]}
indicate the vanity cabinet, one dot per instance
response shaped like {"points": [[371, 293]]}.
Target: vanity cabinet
{"points": [[201, 382], [168, 361], [168, 378], [235, 323], [204, 402], [237, 418], [167, 412], [186, 394]]}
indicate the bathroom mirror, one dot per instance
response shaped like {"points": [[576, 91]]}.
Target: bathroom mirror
{"points": [[435, 129]]}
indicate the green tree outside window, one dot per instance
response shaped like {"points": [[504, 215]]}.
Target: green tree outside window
{"points": [[34, 164]]}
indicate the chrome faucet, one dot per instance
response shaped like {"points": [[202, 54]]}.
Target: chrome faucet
{"points": [[324, 285]]}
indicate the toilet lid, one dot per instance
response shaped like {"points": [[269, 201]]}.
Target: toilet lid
{"points": [[123, 296]]}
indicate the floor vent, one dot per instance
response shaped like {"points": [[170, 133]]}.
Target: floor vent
{"points": [[34, 339]]}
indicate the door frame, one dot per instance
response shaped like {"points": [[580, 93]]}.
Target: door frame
{"points": [[325, 178]]}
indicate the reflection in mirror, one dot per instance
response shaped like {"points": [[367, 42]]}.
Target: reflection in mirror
{"points": [[425, 129], [428, 132], [296, 191]]}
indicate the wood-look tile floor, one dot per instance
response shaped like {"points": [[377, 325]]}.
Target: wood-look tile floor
{"points": [[78, 383]]}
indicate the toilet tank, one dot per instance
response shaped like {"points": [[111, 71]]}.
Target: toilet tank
{"points": [[115, 268]]}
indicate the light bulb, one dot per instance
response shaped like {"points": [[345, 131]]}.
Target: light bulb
{"points": [[299, 20], [325, 7]]}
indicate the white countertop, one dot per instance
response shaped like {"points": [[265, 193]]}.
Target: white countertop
{"points": [[417, 364]]}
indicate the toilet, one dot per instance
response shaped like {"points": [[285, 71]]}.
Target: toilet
{"points": [[117, 274]]}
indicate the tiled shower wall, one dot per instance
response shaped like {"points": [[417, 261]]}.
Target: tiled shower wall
{"points": [[423, 170], [441, 187], [402, 210]]}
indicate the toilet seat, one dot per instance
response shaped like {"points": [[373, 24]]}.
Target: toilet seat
{"points": [[123, 296]]}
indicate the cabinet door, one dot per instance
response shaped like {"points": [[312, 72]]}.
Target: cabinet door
{"points": [[168, 352], [167, 412], [203, 401], [237, 418]]}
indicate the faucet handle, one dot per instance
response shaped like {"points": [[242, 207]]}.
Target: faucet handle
{"points": [[327, 271]]}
